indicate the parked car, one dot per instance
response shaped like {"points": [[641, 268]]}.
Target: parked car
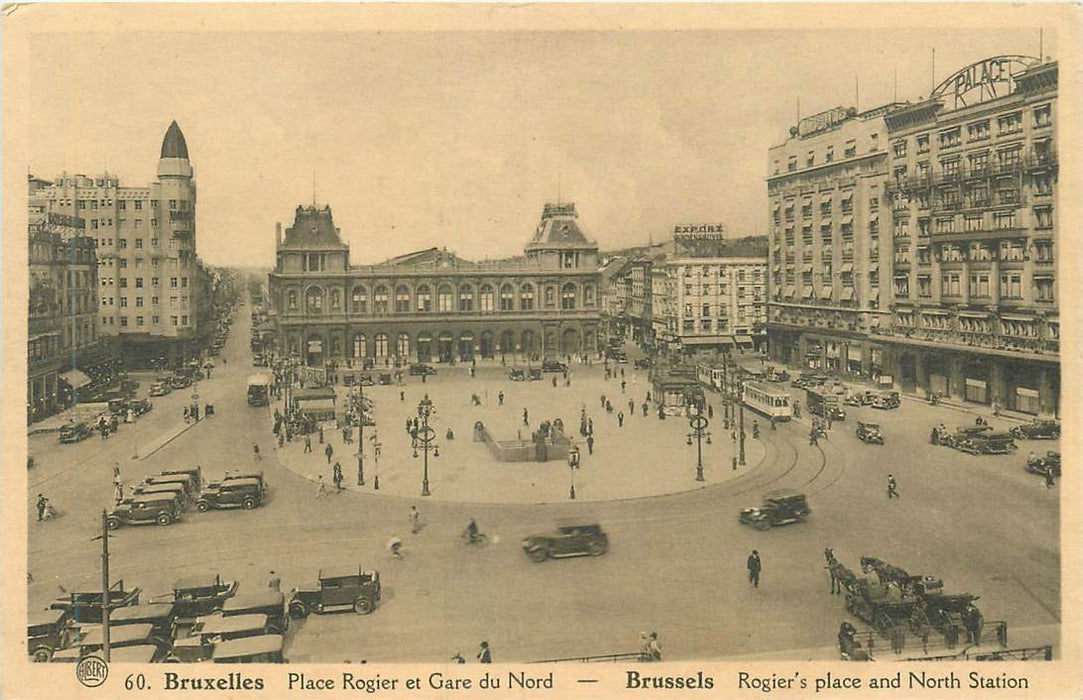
{"points": [[47, 632], [642, 363], [208, 631], [264, 649], [232, 493], [516, 375], [264, 601], [338, 589], [84, 605], [885, 400], [150, 508], [553, 366], [571, 540], [160, 388], [232, 474], [1037, 430], [422, 369], [779, 508], [184, 479], [195, 472], [91, 638], [170, 489], [179, 382], [1041, 465], [869, 432], [160, 616], [141, 406], [74, 432], [199, 594]]}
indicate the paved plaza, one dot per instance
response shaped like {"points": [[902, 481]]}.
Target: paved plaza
{"points": [[676, 563]]}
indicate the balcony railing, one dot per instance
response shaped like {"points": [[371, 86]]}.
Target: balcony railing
{"points": [[992, 341]]}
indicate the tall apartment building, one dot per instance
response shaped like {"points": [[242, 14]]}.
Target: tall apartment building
{"points": [[146, 252], [927, 234], [973, 189], [825, 193]]}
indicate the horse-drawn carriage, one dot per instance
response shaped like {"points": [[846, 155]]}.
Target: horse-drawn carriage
{"points": [[881, 605]]}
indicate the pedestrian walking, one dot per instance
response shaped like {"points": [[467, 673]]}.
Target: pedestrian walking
{"points": [[402, 396], [255, 452], [526, 417], [321, 434], [485, 656], [275, 582], [308, 443], [1050, 481], [590, 426], [891, 486], [409, 425], [415, 520], [328, 452], [321, 487], [620, 419], [603, 401], [832, 569], [118, 493], [186, 416], [654, 647], [754, 567], [590, 444], [623, 384], [812, 436], [631, 407], [710, 411], [500, 399], [42, 504]]}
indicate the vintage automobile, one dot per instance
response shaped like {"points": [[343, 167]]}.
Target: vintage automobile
{"points": [[160, 616], [195, 472], [84, 605], [642, 363], [338, 589], [47, 631], [516, 375], [985, 442], [266, 602], [179, 382], [779, 508], [232, 493], [200, 594], [140, 406], [885, 400], [535, 375], [146, 489], [263, 649], [553, 366], [858, 399], [232, 474], [210, 630], [569, 540], [90, 637], [869, 432], [184, 479], [384, 379], [160, 388], [138, 654], [1041, 465], [617, 356], [146, 509], [365, 379], [420, 369], [1037, 430], [74, 432]]}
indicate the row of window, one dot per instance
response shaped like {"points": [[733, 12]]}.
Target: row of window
{"points": [[446, 299], [174, 302], [706, 325], [979, 287], [722, 271], [849, 150], [174, 263], [139, 320], [1007, 124], [174, 282]]}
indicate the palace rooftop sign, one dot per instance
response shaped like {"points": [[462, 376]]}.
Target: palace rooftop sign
{"points": [[985, 80]]}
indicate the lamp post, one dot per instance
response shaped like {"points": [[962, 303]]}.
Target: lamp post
{"points": [[376, 445], [726, 393], [573, 464], [741, 409], [360, 434], [425, 435], [699, 425]]}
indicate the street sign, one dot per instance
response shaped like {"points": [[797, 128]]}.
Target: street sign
{"points": [[698, 422]]}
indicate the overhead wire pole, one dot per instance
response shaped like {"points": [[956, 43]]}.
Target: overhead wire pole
{"points": [[360, 433], [105, 586]]}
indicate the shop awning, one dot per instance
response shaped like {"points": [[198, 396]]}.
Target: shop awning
{"points": [[806, 268], [775, 206], [847, 267], [323, 405], [847, 293], [847, 196], [75, 378], [874, 215], [825, 292], [807, 293], [790, 291], [743, 340], [699, 341], [846, 220]]}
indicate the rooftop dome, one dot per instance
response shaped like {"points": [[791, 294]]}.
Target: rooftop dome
{"points": [[173, 145]]}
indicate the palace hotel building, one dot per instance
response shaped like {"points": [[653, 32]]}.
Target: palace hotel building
{"points": [[432, 306], [915, 243]]}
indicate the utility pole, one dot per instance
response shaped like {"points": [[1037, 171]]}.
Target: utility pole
{"points": [[105, 586], [360, 434], [741, 408]]}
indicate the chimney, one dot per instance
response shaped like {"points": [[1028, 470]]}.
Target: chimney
{"points": [[278, 234]]}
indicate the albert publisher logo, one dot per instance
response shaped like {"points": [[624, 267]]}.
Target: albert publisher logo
{"points": [[91, 671]]}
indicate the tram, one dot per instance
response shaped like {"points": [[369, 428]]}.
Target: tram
{"points": [[768, 400]]}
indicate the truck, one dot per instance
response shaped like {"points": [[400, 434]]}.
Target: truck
{"points": [[259, 390], [826, 405]]}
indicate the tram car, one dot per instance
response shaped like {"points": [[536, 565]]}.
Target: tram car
{"points": [[769, 400]]}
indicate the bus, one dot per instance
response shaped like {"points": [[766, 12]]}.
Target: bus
{"points": [[259, 390], [768, 400]]}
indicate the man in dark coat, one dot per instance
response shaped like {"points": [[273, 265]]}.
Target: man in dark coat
{"points": [[754, 567]]}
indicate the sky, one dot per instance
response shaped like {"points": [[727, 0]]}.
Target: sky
{"points": [[457, 139]]}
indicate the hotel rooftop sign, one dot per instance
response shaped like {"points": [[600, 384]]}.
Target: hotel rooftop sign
{"points": [[985, 80]]}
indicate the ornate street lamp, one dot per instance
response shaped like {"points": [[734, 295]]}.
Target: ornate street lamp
{"points": [[426, 437], [573, 464], [699, 425]]}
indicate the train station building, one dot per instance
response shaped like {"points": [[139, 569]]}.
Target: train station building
{"points": [[431, 305]]}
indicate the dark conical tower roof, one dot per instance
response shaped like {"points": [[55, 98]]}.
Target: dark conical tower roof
{"points": [[173, 145]]}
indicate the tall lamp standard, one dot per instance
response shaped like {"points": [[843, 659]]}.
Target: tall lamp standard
{"points": [[741, 408], [360, 434], [573, 464], [726, 393], [699, 425], [425, 435]]}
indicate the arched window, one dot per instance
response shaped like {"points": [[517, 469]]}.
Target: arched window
{"points": [[466, 298], [360, 300], [567, 297], [526, 297], [443, 298], [379, 344], [336, 299], [402, 300], [402, 345], [314, 301], [588, 295], [360, 346], [507, 298], [379, 300], [292, 296], [485, 298], [424, 298]]}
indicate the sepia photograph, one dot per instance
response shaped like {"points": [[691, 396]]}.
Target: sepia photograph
{"points": [[702, 353]]}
